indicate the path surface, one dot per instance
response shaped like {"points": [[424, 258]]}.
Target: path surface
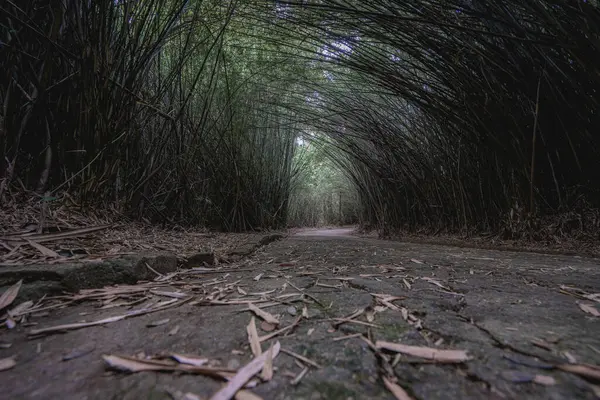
{"points": [[506, 310]]}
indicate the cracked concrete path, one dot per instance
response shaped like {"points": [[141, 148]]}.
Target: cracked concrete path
{"points": [[518, 315]]}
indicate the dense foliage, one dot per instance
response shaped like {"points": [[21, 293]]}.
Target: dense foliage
{"points": [[447, 115]]}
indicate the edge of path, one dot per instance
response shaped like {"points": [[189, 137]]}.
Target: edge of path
{"points": [[51, 279], [592, 250]]}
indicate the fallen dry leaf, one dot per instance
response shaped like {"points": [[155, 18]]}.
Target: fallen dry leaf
{"points": [[370, 315], [299, 377], [438, 355], [267, 371], [241, 291], [570, 357], [43, 249], [257, 277], [585, 370], [541, 344], [593, 296], [244, 374], [406, 284], [397, 391], [158, 323], [132, 364], [436, 283], [174, 331], [416, 261], [305, 312], [157, 307], [340, 321], [7, 363], [10, 294], [174, 295], [20, 309], [310, 331], [544, 380], [347, 337], [404, 313], [190, 360], [246, 395], [590, 309], [253, 338], [263, 314], [79, 352], [301, 358]]}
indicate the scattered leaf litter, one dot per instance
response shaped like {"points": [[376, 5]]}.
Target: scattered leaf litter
{"points": [[244, 374]]}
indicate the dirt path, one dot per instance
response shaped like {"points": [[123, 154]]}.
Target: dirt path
{"points": [[506, 310]]}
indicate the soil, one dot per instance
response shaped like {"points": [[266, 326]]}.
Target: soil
{"points": [[518, 316]]}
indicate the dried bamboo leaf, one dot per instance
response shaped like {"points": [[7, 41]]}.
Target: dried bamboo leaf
{"points": [[299, 377], [263, 314], [267, 371], [436, 283], [301, 358], [593, 296], [370, 315], [544, 380], [246, 395], [590, 309], [397, 391], [438, 355], [158, 323], [244, 375], [10, 295], [305, 312], [20, 309], [253, 338], [190, 360], [7, 363], [346, 337], [67, 327], [43, 249], [585, 370], [79, 352], [340, 321], [174, 295], [131, 364]]}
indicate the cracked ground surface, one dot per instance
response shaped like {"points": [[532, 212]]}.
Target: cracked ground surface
{"points": [[507, 310]]}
